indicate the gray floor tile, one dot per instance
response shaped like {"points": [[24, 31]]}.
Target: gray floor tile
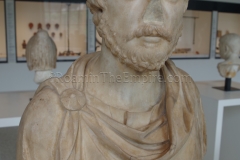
{"points": [[8, 140]]}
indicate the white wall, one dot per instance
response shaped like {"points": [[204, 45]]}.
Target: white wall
{"points": [[17, 77]]}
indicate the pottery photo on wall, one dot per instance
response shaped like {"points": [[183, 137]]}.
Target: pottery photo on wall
{"points": [[39, 26], [53, 34], [30, 25], [24, 44], [219, 33], [48, 26], [56, 25]]}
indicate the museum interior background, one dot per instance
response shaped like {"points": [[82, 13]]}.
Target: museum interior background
{"points": [[54, 18], [18, 75], [196, 52]]}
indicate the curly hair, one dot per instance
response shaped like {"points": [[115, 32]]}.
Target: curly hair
{"points": [[96, 7]]}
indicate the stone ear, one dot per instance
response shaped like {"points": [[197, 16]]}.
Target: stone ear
{"points": [[226, 48], [99, 14], [96, 8]]}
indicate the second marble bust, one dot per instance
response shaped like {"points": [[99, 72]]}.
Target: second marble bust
{"points": [[230, 52]]}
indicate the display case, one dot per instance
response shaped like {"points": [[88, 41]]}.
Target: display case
{"points": [[227, 23], [98, 42], [3, 47], [65, 22], [196, 36]]}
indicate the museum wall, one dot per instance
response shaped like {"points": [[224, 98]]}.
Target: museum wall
{"points": [[2, 31], [52, 13], [16, 76], [196, 32], [229, 22]]}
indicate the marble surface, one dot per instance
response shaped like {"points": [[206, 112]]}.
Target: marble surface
{"points": [[206, 89], [221, 114]]}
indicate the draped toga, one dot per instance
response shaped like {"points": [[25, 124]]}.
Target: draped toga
{"points": [[64, 122]]}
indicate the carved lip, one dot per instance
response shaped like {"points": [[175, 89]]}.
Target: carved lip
{"points": [[151, 39]]}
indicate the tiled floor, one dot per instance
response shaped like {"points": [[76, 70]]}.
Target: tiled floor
{"points": [[11, 109], [8, 141]]}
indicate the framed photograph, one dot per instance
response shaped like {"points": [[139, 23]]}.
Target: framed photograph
{"points": [[196, 36], [3, 45], [227, 23], [65, 22]]}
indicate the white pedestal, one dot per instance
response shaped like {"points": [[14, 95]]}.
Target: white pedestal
{"points": [[221, 126]]}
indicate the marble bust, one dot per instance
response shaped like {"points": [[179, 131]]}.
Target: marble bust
{"points": [[126, 102], [230, 51], [41, 54]]}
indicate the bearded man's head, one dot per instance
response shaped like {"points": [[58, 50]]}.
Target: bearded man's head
{"points": [[142, 34]]}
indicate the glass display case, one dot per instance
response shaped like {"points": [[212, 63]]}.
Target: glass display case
{"points": [[227, 23], [98, 42], [3, 47], [196, 37], [65, 22]]}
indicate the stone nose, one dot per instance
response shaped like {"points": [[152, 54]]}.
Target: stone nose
{"points": [[153, 12]]}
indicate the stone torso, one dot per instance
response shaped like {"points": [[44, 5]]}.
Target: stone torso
{"points": [[64, 121]]}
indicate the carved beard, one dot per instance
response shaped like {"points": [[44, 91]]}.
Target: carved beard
{"points": [[140, 58]]}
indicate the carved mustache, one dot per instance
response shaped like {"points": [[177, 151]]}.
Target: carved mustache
{"points": [[151, 30]]}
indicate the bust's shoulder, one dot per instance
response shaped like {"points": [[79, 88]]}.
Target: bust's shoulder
{"points": [[184, 78], [70, 78], [178, 72], [59, 90], [83, 60], [45, 103], [56, 99], [188, 83]]}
